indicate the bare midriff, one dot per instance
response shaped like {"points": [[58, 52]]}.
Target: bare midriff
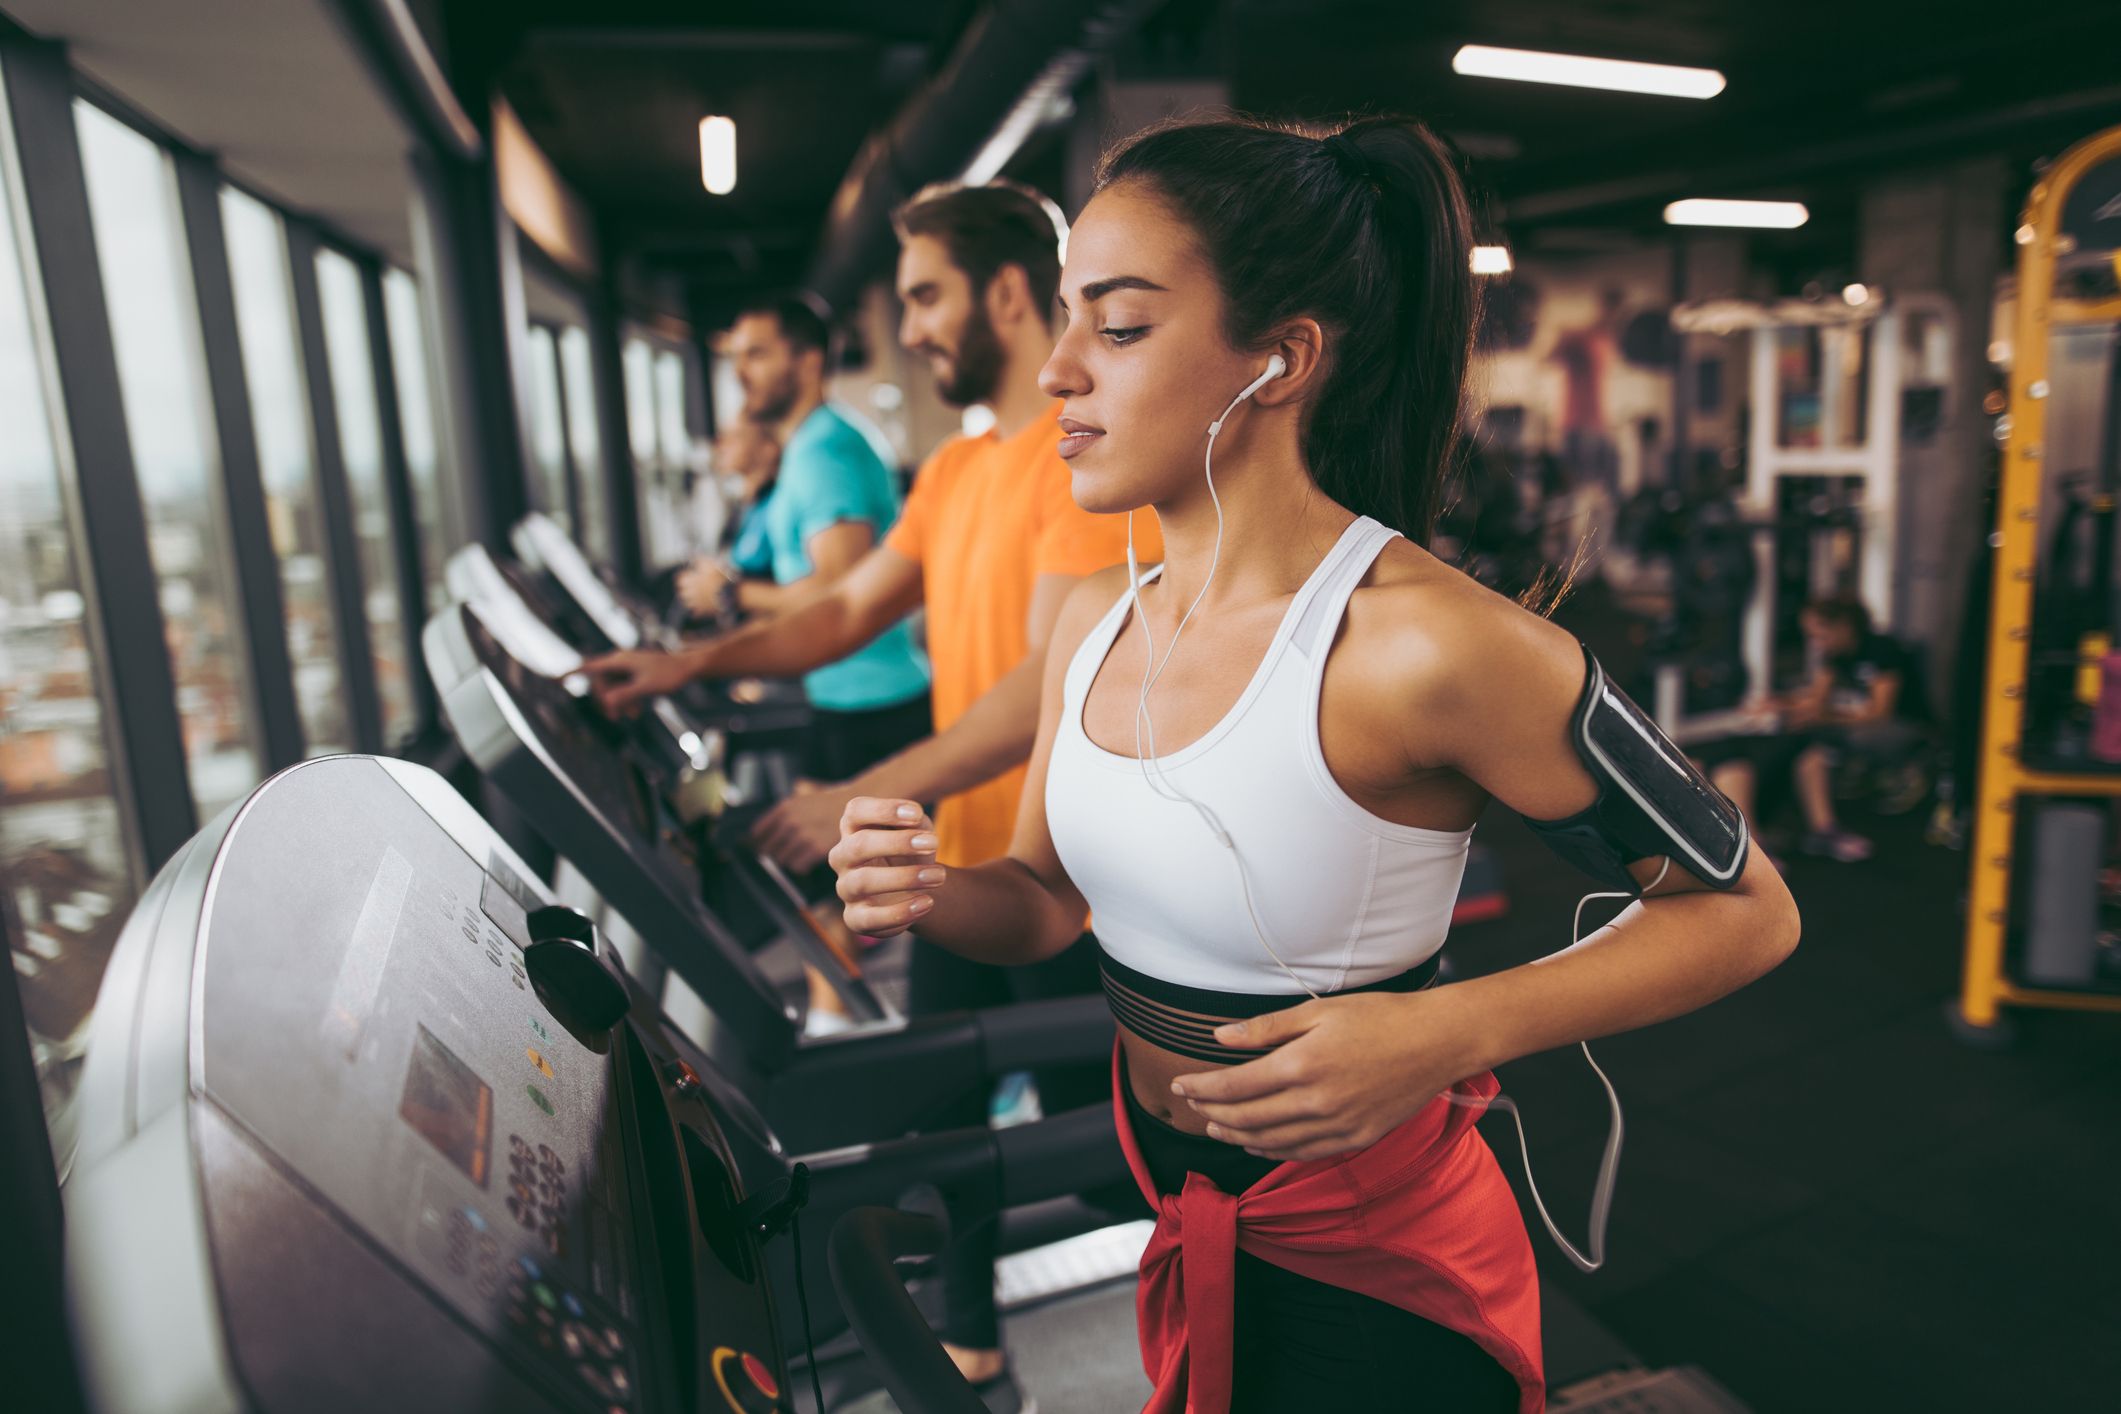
{"points": [[1150, 1071]]}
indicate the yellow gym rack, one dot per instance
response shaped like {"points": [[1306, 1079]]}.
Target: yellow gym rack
{"points": [[2004, 778]]}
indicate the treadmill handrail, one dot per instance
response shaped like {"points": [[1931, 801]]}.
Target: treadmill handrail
{"points": [[865, 1242], [1056, 1031]]}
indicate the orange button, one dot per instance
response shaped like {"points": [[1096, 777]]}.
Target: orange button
{"points": [[544, 1067]]}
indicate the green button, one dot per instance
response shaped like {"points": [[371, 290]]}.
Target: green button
{"points": [[539, 1096], [539, 1027], [545, 1296]]}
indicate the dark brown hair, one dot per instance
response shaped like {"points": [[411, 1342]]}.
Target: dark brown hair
{"points": [[987, 227]]}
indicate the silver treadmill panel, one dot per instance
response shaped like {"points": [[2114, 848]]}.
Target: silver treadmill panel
{"points": [[400, 1062]]}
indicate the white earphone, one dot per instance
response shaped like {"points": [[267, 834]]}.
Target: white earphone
{"points": [[1276, 366], [1609, 1162]]}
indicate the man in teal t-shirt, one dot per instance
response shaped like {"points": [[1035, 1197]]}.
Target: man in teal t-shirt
{"points": [[832, 500]]}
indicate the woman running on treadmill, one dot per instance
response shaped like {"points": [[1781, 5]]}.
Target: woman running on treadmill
{"points": [[1260, 764]]}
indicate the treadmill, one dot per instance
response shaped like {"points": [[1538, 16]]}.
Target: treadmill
{"points": [[599, 803], [615, 618], [528, 618], [601, 616], [368, 1123], [597, 617], [703, 768]]}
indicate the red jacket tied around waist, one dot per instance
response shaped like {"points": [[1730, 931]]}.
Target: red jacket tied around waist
{"points": [[1421, 1219]]}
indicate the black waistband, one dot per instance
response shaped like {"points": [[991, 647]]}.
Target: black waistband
{"points": [[1169, 1153], [1183, 1019]]}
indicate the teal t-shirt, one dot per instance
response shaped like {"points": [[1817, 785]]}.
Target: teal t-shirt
{"points": [[829, 473]]}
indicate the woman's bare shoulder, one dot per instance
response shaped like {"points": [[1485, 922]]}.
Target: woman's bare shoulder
{"points": [[1429, 632]]}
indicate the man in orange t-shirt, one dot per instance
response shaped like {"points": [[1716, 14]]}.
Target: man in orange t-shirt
{"points": [[991, 542]]}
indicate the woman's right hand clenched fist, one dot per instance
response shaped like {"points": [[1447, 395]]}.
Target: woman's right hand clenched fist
{"points": [[886, 863]]}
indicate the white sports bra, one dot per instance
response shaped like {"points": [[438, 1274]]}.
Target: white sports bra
{"points": [[1347, 899]]}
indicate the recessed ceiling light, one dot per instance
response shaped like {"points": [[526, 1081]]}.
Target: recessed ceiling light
{"points": [[1581, 71], [1710, 211], [718, 155]]}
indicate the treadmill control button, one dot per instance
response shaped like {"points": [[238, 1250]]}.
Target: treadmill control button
{"points": [[544, 1067], [746, 1385], [594, 1377], [683, 1078], [537, 1097], [577, 985], [761, 1378]]}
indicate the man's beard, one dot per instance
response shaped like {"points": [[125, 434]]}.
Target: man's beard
{"points": [[976, 371], [773, 404]]}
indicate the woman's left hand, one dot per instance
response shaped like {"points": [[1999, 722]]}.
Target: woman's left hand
{"points": [[1345, 1071]]}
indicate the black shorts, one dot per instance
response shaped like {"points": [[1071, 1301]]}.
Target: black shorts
{"points": [[842, 745]]}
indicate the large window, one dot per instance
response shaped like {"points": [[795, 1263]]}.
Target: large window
{"points": [[639, 360], [431, 508], [279, 407], [660, 438], [578, 387], [672, 434], [63, 859], [350, 353], [147, 282], [548, 442]]}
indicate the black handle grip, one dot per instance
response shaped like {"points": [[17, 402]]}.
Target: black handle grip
{"points": [[1061, 1155], [864, 1244], [1034, 1035]]}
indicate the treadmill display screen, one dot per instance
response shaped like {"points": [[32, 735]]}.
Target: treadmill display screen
{"points": [[448, 1106], [507, 901]]}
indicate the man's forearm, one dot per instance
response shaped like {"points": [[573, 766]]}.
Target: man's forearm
{"points": [[819, 632], [760, 596], [994, 735]]}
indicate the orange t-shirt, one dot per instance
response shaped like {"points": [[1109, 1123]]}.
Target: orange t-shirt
{"points": [[986, 518]]}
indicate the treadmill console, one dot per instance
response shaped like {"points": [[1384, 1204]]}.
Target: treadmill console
{"points": [[540, 541], [365, 1157]]}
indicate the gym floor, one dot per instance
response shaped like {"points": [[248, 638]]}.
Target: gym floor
{"points": [[1826, 1200]]}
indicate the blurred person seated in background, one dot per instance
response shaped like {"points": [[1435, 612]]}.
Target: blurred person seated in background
{"points": [[749, 457], [1861, 703]]}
